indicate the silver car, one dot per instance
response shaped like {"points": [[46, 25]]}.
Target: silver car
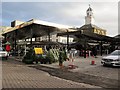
{"points": [[112, 59], [3, 54]]}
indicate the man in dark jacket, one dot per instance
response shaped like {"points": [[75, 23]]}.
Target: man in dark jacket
{"points": [[94, 51]]}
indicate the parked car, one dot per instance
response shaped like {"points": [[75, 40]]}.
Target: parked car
{"points": [[3, 54], [112, 59]]}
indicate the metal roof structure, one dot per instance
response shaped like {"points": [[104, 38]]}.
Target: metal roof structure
{"points": [[88, 34], [39, 22], [90, 26], [39, 43], [34, 27]]}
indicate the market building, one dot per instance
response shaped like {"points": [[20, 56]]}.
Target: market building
{"points": [[91, 35], [37, 33], [90, 23]]}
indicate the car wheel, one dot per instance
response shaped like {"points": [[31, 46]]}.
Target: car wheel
{"points": [[104, 64]]}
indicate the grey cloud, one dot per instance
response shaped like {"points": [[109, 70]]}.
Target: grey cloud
{"points": [[68, 13]]}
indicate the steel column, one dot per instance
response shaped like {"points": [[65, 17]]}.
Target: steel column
{"points": [[67, 40], [85, 47], [31, 32], [15, 43], [101, 48], [49, 38]]}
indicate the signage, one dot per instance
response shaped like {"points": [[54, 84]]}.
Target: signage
{"points": [[38, 50], [101, 32]]}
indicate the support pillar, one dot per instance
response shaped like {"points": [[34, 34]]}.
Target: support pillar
{"points": [[85, 47], [5, 37], [101, 48], [36, 38], [67, 40], [15, 43], [49, 38], [5, 40], [31, 36], [25, 47]]}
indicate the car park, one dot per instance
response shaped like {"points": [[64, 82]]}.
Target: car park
{"points": [[3, 54], [112, 59]]}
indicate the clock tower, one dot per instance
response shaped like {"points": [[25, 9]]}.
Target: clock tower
{"points": [[89, 19]]}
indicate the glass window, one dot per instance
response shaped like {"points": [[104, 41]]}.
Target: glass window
{"points": [[117, 52], [1, 49]]}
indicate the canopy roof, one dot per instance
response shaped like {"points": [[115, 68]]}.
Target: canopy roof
{"points": [[36, 28], [90, 26], [34, 21], [90, 35], [40, 43]]}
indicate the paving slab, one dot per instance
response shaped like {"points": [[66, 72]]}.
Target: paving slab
{"points": [[17, 75]]}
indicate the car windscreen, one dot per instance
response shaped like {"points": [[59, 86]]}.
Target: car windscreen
{"points": [[115, 53]]}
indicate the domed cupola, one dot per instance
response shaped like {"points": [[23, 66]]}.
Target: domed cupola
{"points": [[89, 9]]}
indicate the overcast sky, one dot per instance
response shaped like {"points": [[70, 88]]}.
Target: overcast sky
{"points": [[66, 13]]}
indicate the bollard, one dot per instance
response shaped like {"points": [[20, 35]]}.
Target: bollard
{"points": [[71, 66], [61, 65], [93, 62], [72, 60], [93, 56], [87, 55]]}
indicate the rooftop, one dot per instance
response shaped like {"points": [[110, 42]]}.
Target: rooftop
{"points": [[35, 21]]}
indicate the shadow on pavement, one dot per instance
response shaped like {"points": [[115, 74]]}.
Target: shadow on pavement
{"points": [[79, 77]]}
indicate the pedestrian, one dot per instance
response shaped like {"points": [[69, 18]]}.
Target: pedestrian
{"points": [[94, 51]]}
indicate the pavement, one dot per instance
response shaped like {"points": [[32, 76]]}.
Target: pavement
{"points": [[18, 75], [84, 75], [105, 77], [83, 65]]}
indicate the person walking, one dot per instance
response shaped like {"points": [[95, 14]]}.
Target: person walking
{"points": [[94, 51]]}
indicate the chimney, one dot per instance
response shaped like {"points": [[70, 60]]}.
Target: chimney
{"points": [[15, 23]]}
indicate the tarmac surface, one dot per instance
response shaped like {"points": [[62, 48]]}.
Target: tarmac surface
{"points": [[18, 75]]}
